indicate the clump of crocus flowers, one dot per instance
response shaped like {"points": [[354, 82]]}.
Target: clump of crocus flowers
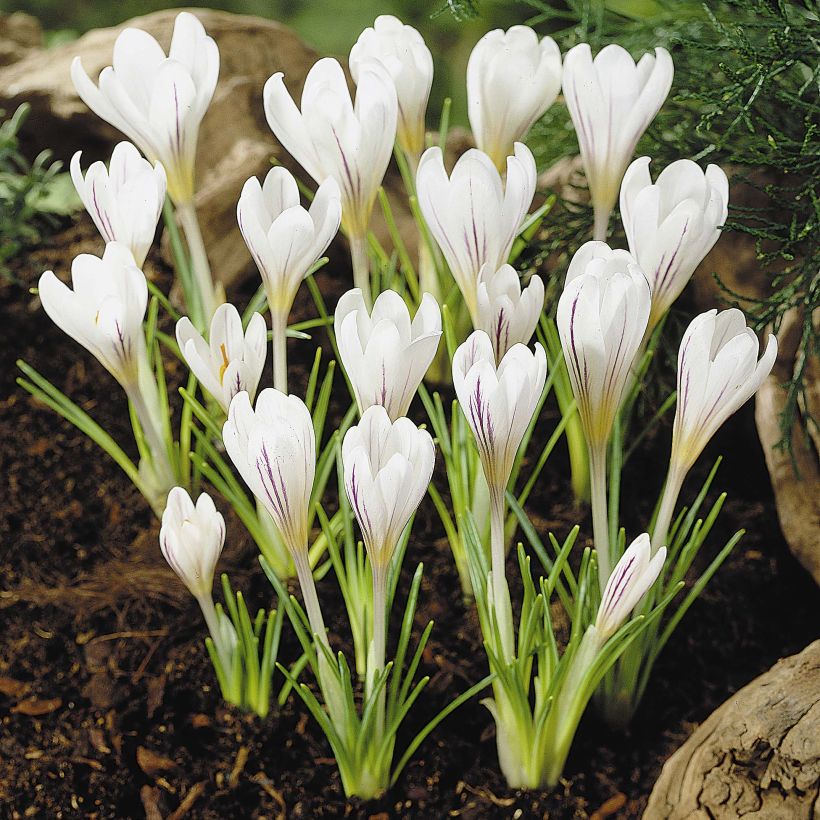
{"points": [[268, 453]]}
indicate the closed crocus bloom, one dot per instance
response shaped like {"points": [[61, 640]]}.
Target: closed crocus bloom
{"points": [[387, 469], [403, 52], [634, 573], [508, 314], [512, 79], [602, 316], [612, 100], [274, 449], [284, 238], [673, 224], [191, 539], [124, 200], [104, 310], [474, 216], [331, 136], [718, 372], [498, 401], [232, 359], [384, 353], [158, 101]]}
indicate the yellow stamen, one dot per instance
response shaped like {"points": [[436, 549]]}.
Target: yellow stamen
{"points": [[224, 365]]}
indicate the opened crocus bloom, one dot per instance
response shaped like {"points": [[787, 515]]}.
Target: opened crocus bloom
{"points": [[602, 316], [512, 79], [158, 101], [384, 353], [672, 224], [508, 314], [232, 359], [718, 372], [634, 573], [105, 309], [124, 200], [387, 469], [331, 136], [404, 54], [612, 101], [474, 216]]}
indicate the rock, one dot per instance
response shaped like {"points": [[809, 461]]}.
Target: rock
{"points": [[19, 34], [757, 756], [795, 476]]}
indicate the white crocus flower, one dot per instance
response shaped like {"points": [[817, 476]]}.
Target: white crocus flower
{"points": [[124, 200], [499, 403], [387, 469], [384, 353], [718, 372], [285, 240], [105, 309], [473, 215], [508, 314], [512, 79], [672, 224], [232, 359], [191, 539], [602, 317], [104, 312], [158, 101], [612, 100], [331, 136], [404, 54], [634, 573]]}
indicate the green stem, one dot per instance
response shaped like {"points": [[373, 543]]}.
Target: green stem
{"points": [[206, 604], [671, 491], [361, 267], [279, 326], [600, 526], [309, 596], [186, 212]]}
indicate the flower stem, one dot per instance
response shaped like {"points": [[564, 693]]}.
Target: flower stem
{"points": [[279, 326], [309, 596], [501, 603], [600, 524], [671, 491], [361, 267], [379, 639], [147, 410], [601, 226], [186, 212], [206, 604]]}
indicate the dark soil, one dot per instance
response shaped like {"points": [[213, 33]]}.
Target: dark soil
{"points": [[108, 704]]}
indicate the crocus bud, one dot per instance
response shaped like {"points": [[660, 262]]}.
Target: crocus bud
{"points": [[404, 54], [104, 311], [718, 372], [611, 101], [673, 224], [158, 101], [633, 575], [474, 216], [506, 313], [333, 137], [602, 316], [512, 79], [191, 539], [284, 238], [232, 359], [384, 354], [387, 469], [498, 402], [125, 200], [274, 449]]}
